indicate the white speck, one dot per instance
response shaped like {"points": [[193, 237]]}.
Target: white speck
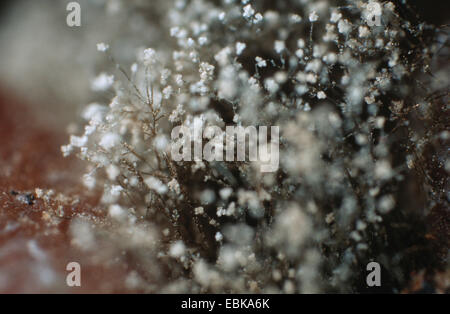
{"points": [[149, 56], [355, 236], [260, 62], [314, 66], [207, 196], [218, 236], [134, 67], [335, 16], [361, 225], [258, 18], [190, 42], [240, 47], [329, 219], [222, 56], [280, 77], [279, 46], [355, 96], [345, 79], [176, 114], [39, 192], [299, 53], [361, 139], [82, 234], [389, 6], [363, 31], [199, 210], [344, 27], [330, 58], [383, 170], [295, 18], [66, 150], [202, 40], [225, 193], [313, 16], [167, 92], [271, 85], [177, 249], [248, 11], [102, 47], [301, 43], [386, 204], [116, 190]]}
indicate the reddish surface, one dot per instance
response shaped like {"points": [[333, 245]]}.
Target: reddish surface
{"points": [[35, 243]]}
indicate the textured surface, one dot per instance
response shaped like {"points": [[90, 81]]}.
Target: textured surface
{"points": [[35, 241]]}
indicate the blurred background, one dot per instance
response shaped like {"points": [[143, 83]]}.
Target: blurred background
{"points": [[50, 65]]}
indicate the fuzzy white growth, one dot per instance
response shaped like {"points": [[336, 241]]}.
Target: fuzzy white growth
{"points": [[323, 82]]}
